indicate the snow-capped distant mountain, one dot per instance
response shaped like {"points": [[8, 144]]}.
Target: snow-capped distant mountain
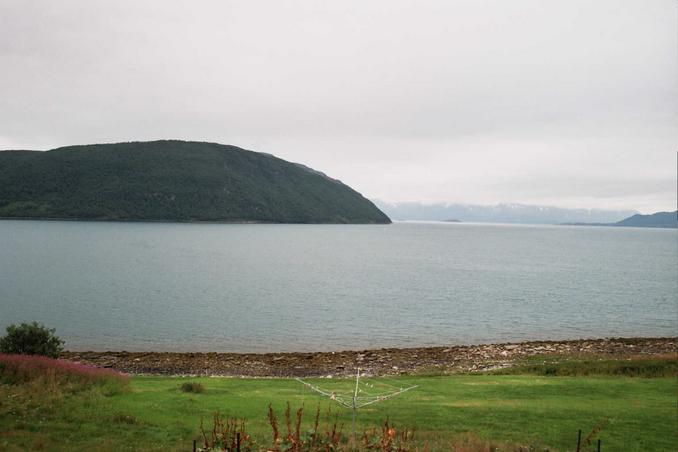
{"points": [[500, 213]]}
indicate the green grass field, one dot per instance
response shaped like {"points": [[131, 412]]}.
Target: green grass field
{"points": [[545, 411]]}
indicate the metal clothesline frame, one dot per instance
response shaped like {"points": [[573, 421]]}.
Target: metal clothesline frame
{"points": [[355, 401]]}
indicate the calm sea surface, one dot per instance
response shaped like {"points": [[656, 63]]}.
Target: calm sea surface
{"points": [[212, 287]]}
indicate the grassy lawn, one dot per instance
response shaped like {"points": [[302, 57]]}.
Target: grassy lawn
{"points": [[547, 411]]}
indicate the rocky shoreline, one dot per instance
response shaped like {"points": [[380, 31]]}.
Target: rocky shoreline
{"points": [[387, 361]]}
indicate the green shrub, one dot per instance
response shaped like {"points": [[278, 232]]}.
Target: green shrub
{"points": [[31, 339], [193, 387]]}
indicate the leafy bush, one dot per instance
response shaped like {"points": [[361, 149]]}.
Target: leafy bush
{"points": [[31, 339], [193, 387]]}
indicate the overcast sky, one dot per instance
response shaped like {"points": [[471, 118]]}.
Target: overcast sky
{"points": [[570, 103]]}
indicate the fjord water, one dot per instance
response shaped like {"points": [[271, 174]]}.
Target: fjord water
{"points": [[256, 288]]}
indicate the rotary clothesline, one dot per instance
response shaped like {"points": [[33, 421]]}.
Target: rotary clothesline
{"points": [[353, 400], [346, 398]]}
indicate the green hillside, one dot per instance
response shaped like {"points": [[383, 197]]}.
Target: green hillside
{"points": [[173, 181]]}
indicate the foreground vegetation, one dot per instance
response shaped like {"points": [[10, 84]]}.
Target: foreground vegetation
{"points": [[46, 407]]}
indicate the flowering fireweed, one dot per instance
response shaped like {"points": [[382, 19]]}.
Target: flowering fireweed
{"points": [[19, 369]]}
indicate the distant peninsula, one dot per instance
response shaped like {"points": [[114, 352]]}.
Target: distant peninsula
{"points": [[173, 180], [655, 220]]}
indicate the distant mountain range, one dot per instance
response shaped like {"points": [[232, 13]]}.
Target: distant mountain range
{"points": [[501, 213], [173, 181]]}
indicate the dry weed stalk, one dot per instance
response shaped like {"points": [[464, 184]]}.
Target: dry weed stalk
{"points": [[594, 432], [228, 435]]}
